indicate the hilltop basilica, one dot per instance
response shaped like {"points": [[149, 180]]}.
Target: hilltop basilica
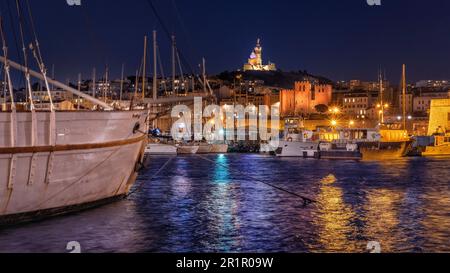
{"points": [[255, 62]]}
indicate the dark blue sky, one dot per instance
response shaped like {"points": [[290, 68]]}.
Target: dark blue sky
{"points": [[337, 39]]}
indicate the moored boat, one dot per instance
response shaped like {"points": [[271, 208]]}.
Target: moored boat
{"points": [[219, 148], [204, 148], [187, 149], [265, 148], [307, 149], [441, 146], [54, 162], [389, 144], [160, 149], [343, 151], [298, 142]]}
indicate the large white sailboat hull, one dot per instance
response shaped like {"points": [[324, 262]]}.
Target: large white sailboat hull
{"points": [[94, 158]]}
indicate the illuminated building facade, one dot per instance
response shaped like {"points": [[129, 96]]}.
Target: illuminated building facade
{"points": [[439, 116], [255, 62], [304, 98]]}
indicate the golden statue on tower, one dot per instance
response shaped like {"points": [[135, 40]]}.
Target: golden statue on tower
{"points": [[255, 62]]}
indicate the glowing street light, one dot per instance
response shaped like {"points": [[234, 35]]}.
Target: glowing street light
{"points": [[334, 122]]}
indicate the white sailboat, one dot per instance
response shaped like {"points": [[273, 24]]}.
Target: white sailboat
{"points": [[161, 149], [219, 148], [54, 162], [188, 149]]}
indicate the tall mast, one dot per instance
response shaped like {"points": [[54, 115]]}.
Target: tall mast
{"points": [[79, 90], [174, 64], [155, 67], [136, 84], [121, 83], [204, 76], [144, 67], [94, 82], [381, 98], [53, 76], [106, 87], [79, 82], [8, 80], [404, 95]]}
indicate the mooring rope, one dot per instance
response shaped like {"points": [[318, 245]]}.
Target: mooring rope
{"points": [[306, 201], [139, 187]]}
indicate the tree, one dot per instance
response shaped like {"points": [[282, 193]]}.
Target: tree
{"points": [[321, 108]]}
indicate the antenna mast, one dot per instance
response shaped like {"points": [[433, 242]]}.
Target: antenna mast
{"points": [[155, 67], [174, 65], [145, 64], [381, 98], [404, 96], [204, 75], [121, 84], [94, 82]]}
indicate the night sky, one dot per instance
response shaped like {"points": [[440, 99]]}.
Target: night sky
{"points": [[341, 40]]}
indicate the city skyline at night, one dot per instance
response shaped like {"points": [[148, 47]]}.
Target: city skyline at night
{"points": [[339, 40]]}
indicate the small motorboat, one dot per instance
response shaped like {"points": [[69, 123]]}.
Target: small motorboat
{"points": [[219, 148], [187, 149], [160, 149]]}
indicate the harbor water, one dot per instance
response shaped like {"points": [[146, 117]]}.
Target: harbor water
{"points": [[223, 203]]}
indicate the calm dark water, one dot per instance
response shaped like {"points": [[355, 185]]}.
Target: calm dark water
{"points": [[195, 205]]}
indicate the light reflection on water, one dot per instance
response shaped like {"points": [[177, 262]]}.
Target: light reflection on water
{"points": [[197, 206]]}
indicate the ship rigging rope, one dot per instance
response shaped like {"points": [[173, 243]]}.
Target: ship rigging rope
{"points": [[187, 36], [22, 80], [306, 201], [169, 36], [33, 30], [161, 68], [22, 24]]}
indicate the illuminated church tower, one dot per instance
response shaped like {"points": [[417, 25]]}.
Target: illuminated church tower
{"points": [[255, 62]]}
